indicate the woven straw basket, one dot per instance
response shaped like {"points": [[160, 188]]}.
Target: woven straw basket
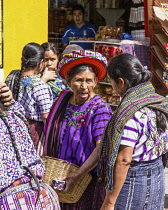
{"points": [[55, 168]]}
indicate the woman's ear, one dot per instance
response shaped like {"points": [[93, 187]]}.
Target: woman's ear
{"points": [[122, 86], [121, 82]]}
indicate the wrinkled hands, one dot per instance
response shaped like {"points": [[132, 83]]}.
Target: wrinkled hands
{"points": [[48, 75], [70, 182], [5, 95]]}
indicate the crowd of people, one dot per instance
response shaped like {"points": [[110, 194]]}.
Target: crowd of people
{"points": [[49, 108]]}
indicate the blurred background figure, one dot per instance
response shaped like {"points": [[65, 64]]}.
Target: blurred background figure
{"points": [[50, 74], [79, 29]]}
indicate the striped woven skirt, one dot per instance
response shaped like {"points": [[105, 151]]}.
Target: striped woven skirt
{"points": [[36, 129], [144, 188], [23, 195]]}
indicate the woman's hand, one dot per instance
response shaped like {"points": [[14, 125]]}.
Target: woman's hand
{"points": [[6, 96], [107, 206], [48, 75], [70, 181]]}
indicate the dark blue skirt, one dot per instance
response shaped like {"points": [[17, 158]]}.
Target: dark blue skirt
{"points": [[144, 187]]}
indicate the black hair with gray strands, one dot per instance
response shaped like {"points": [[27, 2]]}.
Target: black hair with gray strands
{"points": [[77, 69]]}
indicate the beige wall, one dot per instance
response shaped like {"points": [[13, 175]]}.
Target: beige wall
{"points": [[24, 21]]}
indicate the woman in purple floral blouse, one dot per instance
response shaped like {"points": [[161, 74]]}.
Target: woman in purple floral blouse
{"points": [[76, 122]]}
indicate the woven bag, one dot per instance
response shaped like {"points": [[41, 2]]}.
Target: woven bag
{"points": [[55, 168]]}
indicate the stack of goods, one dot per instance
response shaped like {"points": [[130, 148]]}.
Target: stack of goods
{"points": [[165, 78], [57, 20], [107, 93], [166, 46], [108, 51], [60, 21], [108, 33]]}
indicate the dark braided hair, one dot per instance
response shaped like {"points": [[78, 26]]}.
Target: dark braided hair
{"points": [[3, 116], [32, 54], [17, 85]]}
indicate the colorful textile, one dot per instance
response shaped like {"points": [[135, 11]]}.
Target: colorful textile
{"points": [[140, 51], [135, 98], [141, 133], [53, 123], [57, 86], [18, 187], [35, 96], [81, 127], [80, 54], [92, 198], [128, 48], [86, 57], [87, 31], [25, 145], [36, 129], [144, 187], [23, 194]]}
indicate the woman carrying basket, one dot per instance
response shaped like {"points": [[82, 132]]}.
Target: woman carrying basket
{"points": [[76, 122]]}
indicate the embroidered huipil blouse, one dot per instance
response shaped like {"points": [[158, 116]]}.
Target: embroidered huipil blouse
{"points": [[81, 128]]}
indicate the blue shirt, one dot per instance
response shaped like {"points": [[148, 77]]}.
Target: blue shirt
{"points": [[88, 31]]}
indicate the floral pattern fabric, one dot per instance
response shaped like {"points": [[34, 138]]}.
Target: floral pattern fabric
{"points": [[82, 126]]}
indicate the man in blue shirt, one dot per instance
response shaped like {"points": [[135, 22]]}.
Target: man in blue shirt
{"points": [[80, 29]]}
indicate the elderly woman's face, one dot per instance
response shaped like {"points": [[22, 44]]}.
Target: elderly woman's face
{"points": [[82, 85]]}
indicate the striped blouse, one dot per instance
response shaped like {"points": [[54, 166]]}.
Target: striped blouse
{"points": [[141, 133], [81, 128]]}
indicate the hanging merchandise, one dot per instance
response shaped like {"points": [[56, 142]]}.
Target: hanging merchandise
{"points": [[136, 20], [137, 1]]}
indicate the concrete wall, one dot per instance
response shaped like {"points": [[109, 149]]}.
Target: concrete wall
{"points": [[24, 21]]}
